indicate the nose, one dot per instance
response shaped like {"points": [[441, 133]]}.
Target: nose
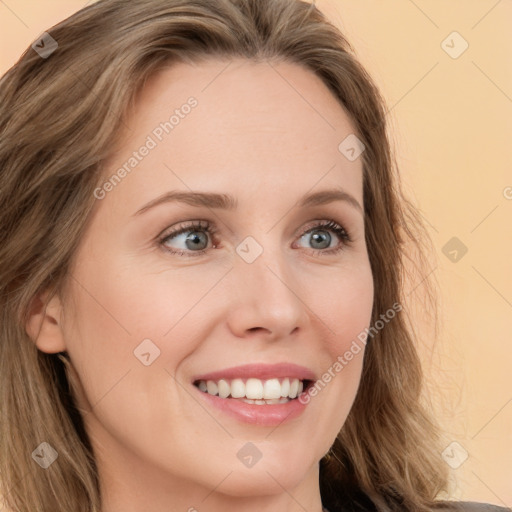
{"points": [[266, 299]]}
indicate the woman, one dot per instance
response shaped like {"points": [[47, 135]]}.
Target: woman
{"points": [[203, 242]]}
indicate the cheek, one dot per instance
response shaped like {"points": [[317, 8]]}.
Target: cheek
{"points": [[346, 308], [345, 311], [124, 362], [124, 312]]}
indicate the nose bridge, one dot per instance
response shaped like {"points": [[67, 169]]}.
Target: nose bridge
{"points": [[267, 291], [265, 259]]}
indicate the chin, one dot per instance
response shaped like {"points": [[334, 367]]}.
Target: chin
{"points": [[257, 482]]}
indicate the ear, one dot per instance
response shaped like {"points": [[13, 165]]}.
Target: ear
{"points": [[44, 325]]}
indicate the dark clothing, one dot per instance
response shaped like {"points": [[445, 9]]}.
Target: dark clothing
{"points": [[465, 506], [472, 506]]}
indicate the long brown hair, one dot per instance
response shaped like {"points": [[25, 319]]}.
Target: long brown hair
{"points": [[60, 118]]}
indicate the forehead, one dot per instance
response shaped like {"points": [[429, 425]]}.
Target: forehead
{"points": [[252, 124]]}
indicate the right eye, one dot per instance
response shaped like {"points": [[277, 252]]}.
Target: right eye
{"points": [[193, 238]]}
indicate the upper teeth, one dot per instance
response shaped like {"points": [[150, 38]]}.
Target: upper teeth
{"points": [[253, 388]]}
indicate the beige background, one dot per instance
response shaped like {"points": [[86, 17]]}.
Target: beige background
{"points": [[452, 122]]}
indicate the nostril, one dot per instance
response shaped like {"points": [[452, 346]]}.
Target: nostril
{"points": [[251, 329]]}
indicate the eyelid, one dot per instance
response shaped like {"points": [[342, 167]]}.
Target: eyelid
{"points": [[183, 227], [326, 222]]}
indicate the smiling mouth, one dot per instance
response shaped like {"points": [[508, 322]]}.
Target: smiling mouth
{"points": [[255, 391]]}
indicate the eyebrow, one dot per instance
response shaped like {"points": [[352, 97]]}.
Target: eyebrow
{"points": [[228, 202]]}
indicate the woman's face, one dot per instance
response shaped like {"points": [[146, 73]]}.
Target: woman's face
{"points": [[255, 278]]}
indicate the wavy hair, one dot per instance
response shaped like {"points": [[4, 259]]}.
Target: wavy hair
{"points": [[60, 118]]}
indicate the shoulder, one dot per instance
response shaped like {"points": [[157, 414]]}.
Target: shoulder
{"points": [[457, 506], [469, 506]]}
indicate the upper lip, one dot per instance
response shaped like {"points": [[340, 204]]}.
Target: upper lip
{"points": [[259, 371]]}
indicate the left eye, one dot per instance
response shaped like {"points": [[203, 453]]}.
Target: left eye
{"points": [[195, 238], [321, 238]]}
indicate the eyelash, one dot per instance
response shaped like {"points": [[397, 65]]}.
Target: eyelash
{"points": [[207, 227]]}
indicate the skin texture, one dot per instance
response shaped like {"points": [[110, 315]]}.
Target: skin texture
{"points": [[266, 133]]}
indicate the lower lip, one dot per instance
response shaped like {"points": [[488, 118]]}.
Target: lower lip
{"points": [[267, 415]]}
